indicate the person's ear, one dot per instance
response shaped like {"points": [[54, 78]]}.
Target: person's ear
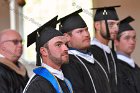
{"points": [[67, 36], [43, 51], [97, 25]]}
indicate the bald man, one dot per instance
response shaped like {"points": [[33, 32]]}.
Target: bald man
{"points": [[13, 75]]}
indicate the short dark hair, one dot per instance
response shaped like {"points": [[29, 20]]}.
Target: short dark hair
{"points": [[46, 45], [69, 33]]}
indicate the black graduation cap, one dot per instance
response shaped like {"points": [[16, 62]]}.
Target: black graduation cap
{"points": [[124, 24], [109, 11], [42, 35], [31, 38], [71, 22]]}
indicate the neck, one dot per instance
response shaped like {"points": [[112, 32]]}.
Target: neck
{"points": [[52, 64], [125, 54], [101, 39], [83, 50]]}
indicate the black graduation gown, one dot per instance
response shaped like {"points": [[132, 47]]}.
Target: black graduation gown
{"points": [[78, 76], [98, 54], [128, 78], [41, 85], [10, 81]]}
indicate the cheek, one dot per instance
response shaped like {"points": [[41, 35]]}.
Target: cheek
{"points": [[55, 52], [11, 48], [112, 32], [103, 27], [75, 40], [123, 45]]}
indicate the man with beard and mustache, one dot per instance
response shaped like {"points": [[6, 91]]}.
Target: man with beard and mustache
{"points": [[128, 71], [85, 74], [13, 74], [50, 46], [106, 29]]}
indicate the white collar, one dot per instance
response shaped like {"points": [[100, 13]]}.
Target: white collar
{"points": [[126, 59], [55, 72], [99, 44], [87, 57], [1, 55]]}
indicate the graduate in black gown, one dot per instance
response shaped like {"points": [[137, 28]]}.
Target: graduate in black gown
{"points": [[128, 71], [106, 29], [85, 74], [50, 46]]}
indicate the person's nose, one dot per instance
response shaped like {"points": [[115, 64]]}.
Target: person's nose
{"points": [[116, 28], [20, 43], [86, 33], [132, 41], [65, 47]]}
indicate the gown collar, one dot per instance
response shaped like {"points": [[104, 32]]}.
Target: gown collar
{"points": [[87, 56], [1, 55], [18, 68], [126, 59], [99, 44], [55, 72]]}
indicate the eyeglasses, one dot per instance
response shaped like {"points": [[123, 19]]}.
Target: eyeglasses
{"points": [[15, 42]]}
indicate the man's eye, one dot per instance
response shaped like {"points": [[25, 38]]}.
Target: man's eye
{"points": [[118, 24], [58, 45], [127, 38], [110, 24], [80, 31]]}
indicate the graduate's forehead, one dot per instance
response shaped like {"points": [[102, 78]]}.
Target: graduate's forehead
{"points": [[128, 33], [58, 39], [111, 21]]}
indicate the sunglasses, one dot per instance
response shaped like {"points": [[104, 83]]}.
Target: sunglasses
{"points": [[15, 42]]}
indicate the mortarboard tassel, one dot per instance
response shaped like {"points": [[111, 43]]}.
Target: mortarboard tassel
{"points": [[107, 29], [38, 60], [113, 45]]}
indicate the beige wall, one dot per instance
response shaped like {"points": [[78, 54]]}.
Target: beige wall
{"points": [[128, 7], [4, 15]]}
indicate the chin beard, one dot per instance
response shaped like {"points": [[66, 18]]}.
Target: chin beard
{"points": [[105, 36]]}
